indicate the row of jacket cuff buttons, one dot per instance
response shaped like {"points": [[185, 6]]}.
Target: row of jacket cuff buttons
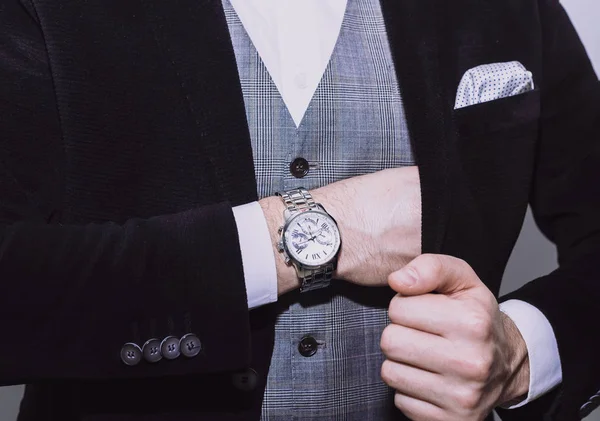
{"points": [[155, 350]]}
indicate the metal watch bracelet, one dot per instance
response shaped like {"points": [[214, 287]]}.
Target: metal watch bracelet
{"points": [[311, 279]]}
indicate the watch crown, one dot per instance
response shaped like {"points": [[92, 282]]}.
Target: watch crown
{"points": [[287, 260], [280, 247]]}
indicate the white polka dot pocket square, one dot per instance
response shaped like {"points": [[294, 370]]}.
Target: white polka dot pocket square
{"points": [[493, 81]]}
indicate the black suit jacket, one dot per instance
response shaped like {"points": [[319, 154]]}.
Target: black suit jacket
{"points": [[124, 145]]}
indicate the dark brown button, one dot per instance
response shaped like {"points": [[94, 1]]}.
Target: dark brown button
{"points": [[308, 346], [299, 167]]}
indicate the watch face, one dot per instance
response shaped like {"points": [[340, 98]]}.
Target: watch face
{"points": [[312, 238]]}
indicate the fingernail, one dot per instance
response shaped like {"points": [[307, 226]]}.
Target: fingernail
{"points": [[407, 276]]}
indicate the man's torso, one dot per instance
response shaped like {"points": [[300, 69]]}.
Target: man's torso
{"points": [[153, 121]]}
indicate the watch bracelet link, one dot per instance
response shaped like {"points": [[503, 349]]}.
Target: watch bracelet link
{"points": [[317, 279], [298, 200]]}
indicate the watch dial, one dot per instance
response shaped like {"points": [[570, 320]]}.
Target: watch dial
{"points": [[312, 238]]}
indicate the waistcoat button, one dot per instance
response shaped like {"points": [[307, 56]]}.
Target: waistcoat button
{"points": [[299, 167], [308, 346]]}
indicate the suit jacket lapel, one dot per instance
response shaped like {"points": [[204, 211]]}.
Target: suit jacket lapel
{"points": [[417, 34], [194, 36]]}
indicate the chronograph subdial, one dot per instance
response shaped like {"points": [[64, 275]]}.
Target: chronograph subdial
{"points": [[325, 237], [299, 237], [300, 240]]}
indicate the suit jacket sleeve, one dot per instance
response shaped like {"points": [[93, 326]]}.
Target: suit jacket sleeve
{"points": [[71, 296], [565, 199]]}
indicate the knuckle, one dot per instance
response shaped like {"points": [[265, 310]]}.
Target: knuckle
{"points": [[430, 264], [478, 369], [478, 325], [395, 309], [394, 303], [462, 263], [387, 339], [399, 403], [488, 301], [387, 373], [467, 398]]}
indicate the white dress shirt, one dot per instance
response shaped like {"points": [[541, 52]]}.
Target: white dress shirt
{"points": [[295, 40]]}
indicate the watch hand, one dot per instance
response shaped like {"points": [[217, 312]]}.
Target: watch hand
{"points": [[303, 230], [316, 234], [312, 238]]}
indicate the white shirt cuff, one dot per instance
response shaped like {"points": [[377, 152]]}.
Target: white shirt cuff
{"points": [[258, 260], [545, 372]]}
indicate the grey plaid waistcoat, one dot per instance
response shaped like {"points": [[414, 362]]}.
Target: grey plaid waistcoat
{"points": [[354, 125]]}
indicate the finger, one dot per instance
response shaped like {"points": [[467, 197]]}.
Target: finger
{"points": [[414, 382], [434, 272], [418, 410], [415, 348], [430, 313]]}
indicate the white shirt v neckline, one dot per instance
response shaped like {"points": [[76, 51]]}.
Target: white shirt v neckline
{"points": [[295, 40]]}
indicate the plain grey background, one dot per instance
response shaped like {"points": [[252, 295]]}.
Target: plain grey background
{"points": [[533, 255]]}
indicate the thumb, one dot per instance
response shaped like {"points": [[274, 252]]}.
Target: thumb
{"points": [[434, 273]]}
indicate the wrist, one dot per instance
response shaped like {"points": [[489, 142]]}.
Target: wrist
{"points": [[331, 198], [287, 279], [516, 388]]}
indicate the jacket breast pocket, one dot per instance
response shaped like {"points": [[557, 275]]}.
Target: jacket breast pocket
{"points": [[495, 144], [495, 140], [499, 115], [492, 160]]}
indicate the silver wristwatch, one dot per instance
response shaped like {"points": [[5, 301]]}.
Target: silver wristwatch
{"points": [[310, 239]]}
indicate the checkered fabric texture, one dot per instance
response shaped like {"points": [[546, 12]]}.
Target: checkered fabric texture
{"points": [[355, 124]]}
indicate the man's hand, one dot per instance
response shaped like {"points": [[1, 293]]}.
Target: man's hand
{"points": [[451, 354], [379, 217]]}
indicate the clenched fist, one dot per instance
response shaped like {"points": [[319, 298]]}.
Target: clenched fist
{"points": [[451, 354]]}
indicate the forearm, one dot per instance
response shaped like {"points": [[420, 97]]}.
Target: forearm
{"points": [[372, 212], [90, 289], [517, 387], [568, 298], [544, 371]]}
